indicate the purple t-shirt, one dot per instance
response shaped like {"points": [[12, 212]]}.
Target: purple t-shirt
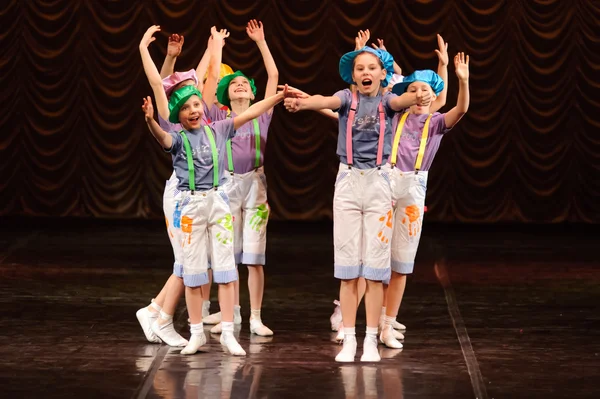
{"points": [[202, 154], [410, 140], [365, 129], [243, 144]]}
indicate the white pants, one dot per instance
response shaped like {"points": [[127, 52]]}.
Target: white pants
{"points": [[206, 220], [408, 193], [170, 204], [248, 200], [362, 223]]}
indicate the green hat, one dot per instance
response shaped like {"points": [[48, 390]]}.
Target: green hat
{"points": [[223, 88], [178, 98]]}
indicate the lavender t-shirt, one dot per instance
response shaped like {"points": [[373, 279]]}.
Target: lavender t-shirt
{"points": [[365, 129], [410, 140], [243, 144], [202, 154]]}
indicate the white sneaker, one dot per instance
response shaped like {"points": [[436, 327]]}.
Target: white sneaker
{"points": [[168, 334], [348, 351], [196, 341], [257, 327], [214, 318], [387, 338], [216, 329], [229, 341], [370, 351], [398, 326], [340, 335], [146, 318], [336, 317]]}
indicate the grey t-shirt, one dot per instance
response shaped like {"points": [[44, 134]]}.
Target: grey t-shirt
{"points": [[202, 154], [365, 129]]}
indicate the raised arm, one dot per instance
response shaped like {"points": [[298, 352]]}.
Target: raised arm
{"points": [[203, 67], [216, 52], [442, 70], [256, 32], [163, 138], [173, 50], [461, 66], [152, 73], [259, 108]]}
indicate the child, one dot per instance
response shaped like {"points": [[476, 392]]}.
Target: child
{"points": [[157, 329], [201, 184], [362, 200], [248, 189], [417, 139]]}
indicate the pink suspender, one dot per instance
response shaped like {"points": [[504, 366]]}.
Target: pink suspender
{"points": [[351, 115]]}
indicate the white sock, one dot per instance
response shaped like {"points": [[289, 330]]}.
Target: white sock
{"points": [[389, 337], [229, 340], [255, 314], [155, 305], [196, 340], [349, 331], [370, 351], [165, 316], [205, 309]]}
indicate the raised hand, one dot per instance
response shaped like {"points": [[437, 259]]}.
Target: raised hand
{"points": [[442, 51], [461, 66], [255, 30], [219, 34], [380, 46], [148, 108], [175, 45], [362, 38], [149, 36]]}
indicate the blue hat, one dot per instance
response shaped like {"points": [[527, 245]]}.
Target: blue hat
{"points": [[178, 98], [428, 76], [347, 64]]}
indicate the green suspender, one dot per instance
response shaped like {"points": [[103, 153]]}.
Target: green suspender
{"points": [[256, 144], [190, 161]]}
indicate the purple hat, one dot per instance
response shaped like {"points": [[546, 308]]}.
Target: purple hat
{"points": [[174, 79]]}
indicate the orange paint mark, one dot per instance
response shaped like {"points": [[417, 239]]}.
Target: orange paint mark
{"points": [[186, 227], [412, 219]]}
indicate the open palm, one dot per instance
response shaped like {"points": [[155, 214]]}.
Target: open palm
{"points": [[461, 65]]}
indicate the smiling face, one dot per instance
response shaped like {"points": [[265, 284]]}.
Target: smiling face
{"points": [[190, 114], [239, 88], [368, 73], [419, 88]]}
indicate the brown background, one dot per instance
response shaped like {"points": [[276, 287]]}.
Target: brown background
{"points": [[73, 141]]}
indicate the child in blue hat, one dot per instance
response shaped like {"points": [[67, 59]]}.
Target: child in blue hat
{"points": [[362, 198], [418, 133]]}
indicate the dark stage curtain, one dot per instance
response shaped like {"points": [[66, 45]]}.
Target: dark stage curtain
{"points": [[74, 143]]}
